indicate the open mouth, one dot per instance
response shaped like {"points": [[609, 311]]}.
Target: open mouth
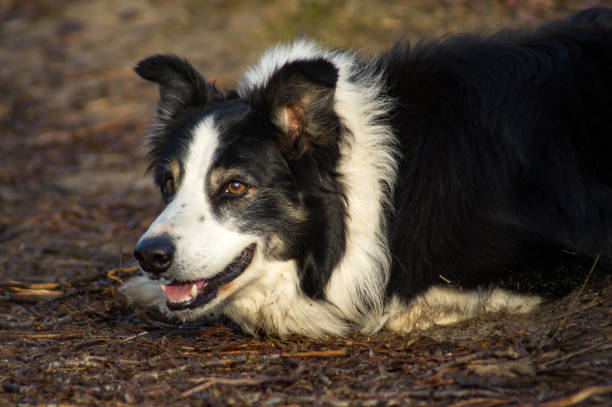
{"points": [[192, 294]]}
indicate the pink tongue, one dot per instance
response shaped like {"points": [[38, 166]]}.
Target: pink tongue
{"points": [[177, 292]]}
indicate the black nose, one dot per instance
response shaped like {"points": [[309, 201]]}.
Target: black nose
{"points": [[154, 255]]}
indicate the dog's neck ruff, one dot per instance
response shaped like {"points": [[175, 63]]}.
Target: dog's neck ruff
{"points": [[367, 167]]}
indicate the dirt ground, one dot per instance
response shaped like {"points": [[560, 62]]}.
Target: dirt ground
{"points": [[74, 199]]}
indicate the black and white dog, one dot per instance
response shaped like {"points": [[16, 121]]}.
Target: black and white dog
{"points": [[331, 194]]}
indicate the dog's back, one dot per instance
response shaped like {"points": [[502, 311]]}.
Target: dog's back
{"points": [[507, 157]]}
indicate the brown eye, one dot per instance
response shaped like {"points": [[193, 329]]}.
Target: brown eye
{"points": [[169, 184], [235, 188]]}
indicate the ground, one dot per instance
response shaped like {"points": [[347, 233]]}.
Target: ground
{"points": [[74, 199]]}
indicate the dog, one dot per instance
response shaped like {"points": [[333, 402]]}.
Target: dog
{"points": [[332, 194]]}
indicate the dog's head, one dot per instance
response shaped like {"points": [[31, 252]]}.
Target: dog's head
{"points": [[247, 179]]}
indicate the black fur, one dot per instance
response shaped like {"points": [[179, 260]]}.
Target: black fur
{"points": [[307, 89], [507, 149]]}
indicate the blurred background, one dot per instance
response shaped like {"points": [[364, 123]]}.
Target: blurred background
{"points": [[73, 115]]}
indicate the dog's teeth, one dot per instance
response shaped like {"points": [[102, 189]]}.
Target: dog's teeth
{"points": [[163, 287], [194, 291]]}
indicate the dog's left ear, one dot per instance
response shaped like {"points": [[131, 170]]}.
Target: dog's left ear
{"points": [[300, 99], [180, 85]]}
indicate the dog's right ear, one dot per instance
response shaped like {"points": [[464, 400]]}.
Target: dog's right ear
{"points": [[180, 85], [299, 100]]}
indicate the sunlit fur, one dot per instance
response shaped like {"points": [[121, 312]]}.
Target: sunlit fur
{"points": [[422, 187], [368, 168]]}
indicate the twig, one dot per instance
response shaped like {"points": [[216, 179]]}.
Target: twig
{"points": [[571, 355], [17, 291], [91, 342], [112, 274], [61, 335], [481, 402], [315, 354], [33, 286], [250, 356], [113, 361], [62, 286], [156, 375], [225, 362], [570, 309], [578, 397], [17, 294], [55, 322], [213, 381], [33, 323], [131, 338], [311, 354], [431, 393]]}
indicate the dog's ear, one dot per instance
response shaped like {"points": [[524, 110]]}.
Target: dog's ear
{"points": [[300, 99], [180, 85]]}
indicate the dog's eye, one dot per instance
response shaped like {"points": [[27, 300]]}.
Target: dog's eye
{"points": [[169, 185], [235, 188]]}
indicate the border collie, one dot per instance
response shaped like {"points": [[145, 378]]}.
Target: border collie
{"points": [[330, 193]]}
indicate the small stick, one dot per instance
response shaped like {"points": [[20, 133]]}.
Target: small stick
{"points": [[33, 323], [131, 338], [55, 322], [481, 402], [311, 354], [578, 397], [32, 295], [213, 381], [17, 291], [156, 375], [315, 354], [62, 335], [112, 274], [34, 286], [89, 342], [242, 359], [575, 300], [571, 355], [58, 286]]}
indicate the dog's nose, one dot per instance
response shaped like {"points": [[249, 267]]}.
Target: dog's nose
{"points": [[154, 255]]}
